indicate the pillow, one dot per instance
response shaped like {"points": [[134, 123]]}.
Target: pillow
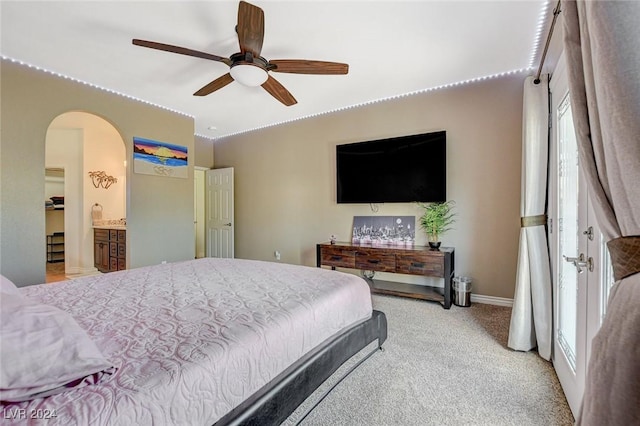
{"points": [[6, 286], [43, 350]]}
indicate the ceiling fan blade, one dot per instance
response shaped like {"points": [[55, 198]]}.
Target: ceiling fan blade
{"points": [[180, 50], [303, 66], [216, 84], [279, 92], [250, 28]]}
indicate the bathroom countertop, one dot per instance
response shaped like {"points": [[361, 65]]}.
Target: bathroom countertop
{"points": [[110, 224]]}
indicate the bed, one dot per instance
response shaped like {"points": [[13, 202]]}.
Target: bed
{"points": [[201, 342]]}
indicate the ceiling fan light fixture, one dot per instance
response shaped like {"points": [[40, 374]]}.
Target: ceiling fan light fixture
{"points": [[249, 75], [247, 67]]}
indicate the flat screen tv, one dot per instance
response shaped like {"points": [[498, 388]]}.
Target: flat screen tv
{"points": [[396, 170]]}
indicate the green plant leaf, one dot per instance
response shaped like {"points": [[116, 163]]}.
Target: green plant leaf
{"points": [[437, 218]]}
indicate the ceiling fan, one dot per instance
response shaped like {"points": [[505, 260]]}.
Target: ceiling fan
{"points": [[247, 66]]}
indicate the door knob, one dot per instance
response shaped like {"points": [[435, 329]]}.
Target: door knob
{"points": [[580, 262], [227, 224]]}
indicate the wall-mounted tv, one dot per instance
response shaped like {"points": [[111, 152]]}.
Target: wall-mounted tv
{"points": [[395, 170]]}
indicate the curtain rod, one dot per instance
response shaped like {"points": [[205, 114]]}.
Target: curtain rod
{"points": [[556, 12]]}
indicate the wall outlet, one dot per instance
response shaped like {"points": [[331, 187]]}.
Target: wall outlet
{"points": [[276, 254]]}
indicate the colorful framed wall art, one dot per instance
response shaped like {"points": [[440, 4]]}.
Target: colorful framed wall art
{"points": [[159, 158]]}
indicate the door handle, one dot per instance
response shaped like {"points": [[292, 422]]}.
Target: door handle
{"points": [[227, 224], [580, 262], [589, 233]]}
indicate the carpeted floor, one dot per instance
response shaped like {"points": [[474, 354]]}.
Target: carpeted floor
{"points": [[443, 367]]}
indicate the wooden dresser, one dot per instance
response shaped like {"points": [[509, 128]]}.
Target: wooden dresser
{"points": [[413, 260], [109, 249]]}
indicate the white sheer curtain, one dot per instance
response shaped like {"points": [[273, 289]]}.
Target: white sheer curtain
{"points": [[531, 317], [602, 44]]}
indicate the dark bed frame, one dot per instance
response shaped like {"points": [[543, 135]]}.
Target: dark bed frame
{"points": [[274, 402]]}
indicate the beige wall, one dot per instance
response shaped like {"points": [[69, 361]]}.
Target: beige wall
{"points": [[102, 149], [159, 210], [285, 196], [64, 148], [203, 152]]}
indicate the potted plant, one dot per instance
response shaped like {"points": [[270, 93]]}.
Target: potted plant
{"points": [[436, 220]]}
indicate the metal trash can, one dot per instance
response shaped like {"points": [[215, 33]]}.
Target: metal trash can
{"points": [[462, 291]]}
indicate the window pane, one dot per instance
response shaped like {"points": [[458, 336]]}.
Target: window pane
{"points": [[568, 231]]}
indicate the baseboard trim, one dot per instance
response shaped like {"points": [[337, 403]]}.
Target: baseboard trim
{"points": [[491, 300]]}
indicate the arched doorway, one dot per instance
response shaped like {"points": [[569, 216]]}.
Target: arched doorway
{"points": [[78, 143]]}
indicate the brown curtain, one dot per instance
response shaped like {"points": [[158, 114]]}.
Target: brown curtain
{"points": [[602, 45]]}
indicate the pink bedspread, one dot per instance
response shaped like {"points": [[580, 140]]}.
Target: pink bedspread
{"points": [[193, 339]]}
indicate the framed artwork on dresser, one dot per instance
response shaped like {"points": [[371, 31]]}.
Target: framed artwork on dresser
{"points": [[381, 230]]}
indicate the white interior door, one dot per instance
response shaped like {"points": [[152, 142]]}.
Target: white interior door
{"points": [[219, 212], [579, 260]]}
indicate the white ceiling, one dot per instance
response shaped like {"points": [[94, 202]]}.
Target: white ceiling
{"points": [[392, 48]]}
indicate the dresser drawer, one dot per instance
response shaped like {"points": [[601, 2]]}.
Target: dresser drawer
{"points": [[101, 234], [372, 261], [113, 249], [420, 264], [113, 264], [338, 256]]}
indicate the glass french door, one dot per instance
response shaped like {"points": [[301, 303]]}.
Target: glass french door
{"points": [[579, 259]]}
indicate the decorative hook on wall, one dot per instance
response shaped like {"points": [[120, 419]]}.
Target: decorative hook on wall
{"points": [[101, 179]]}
